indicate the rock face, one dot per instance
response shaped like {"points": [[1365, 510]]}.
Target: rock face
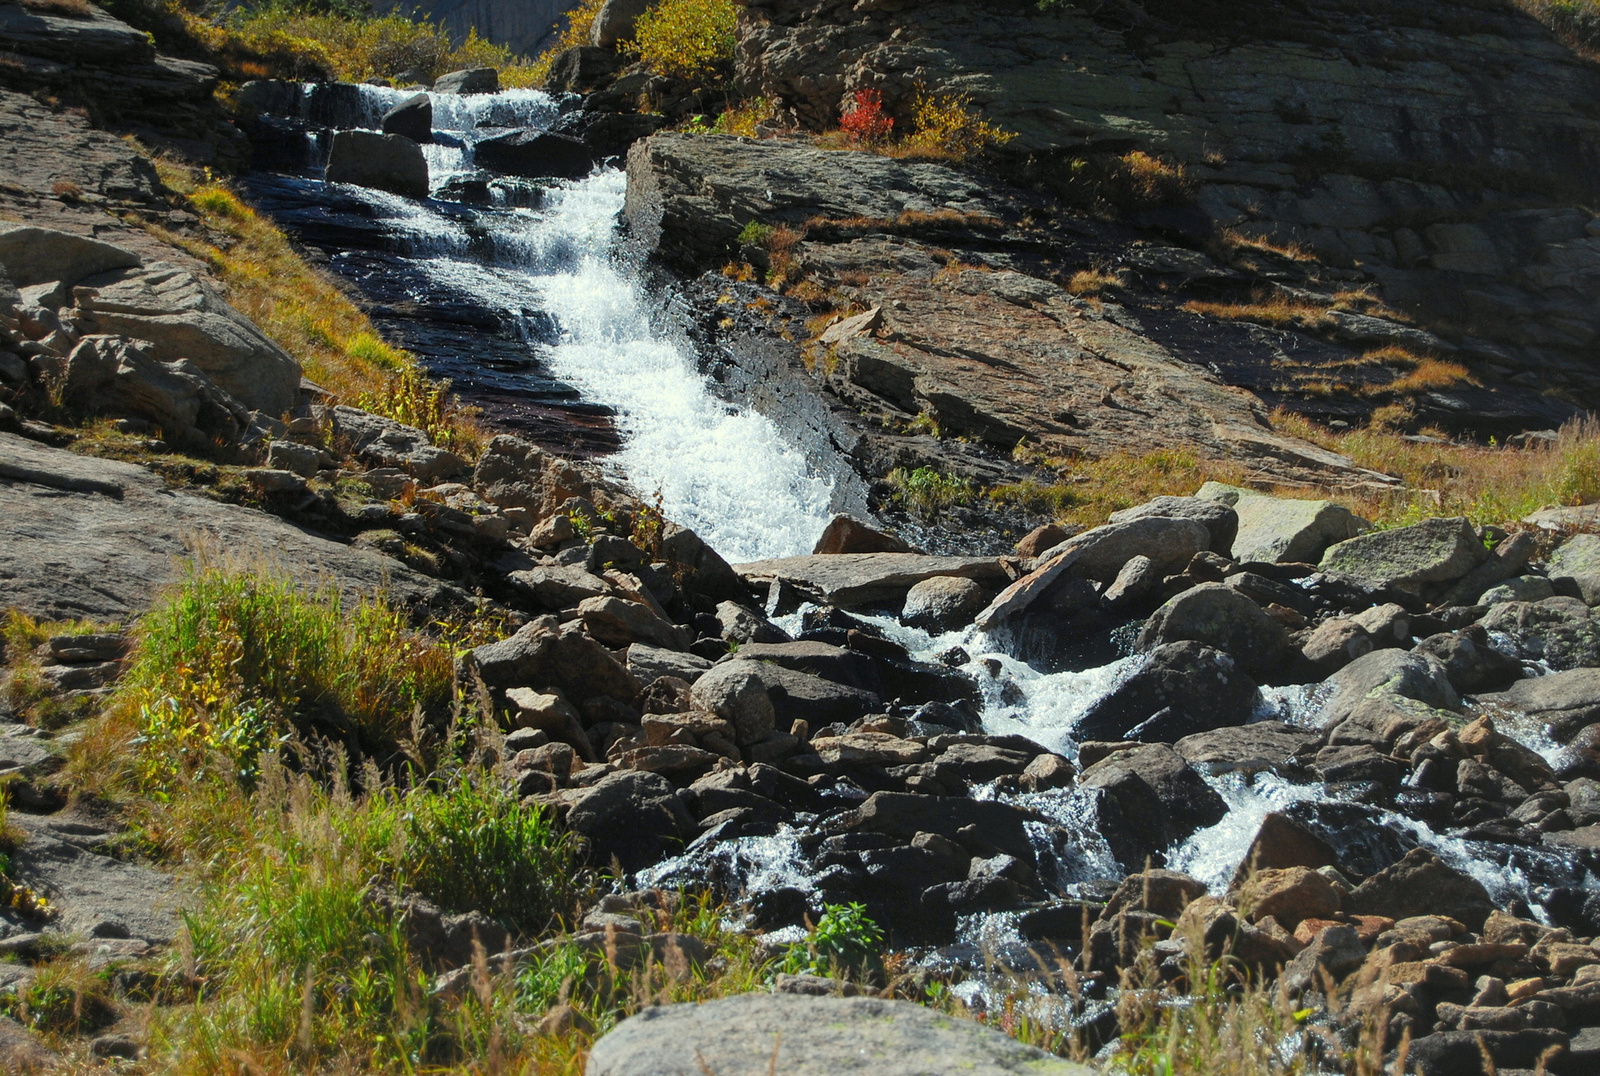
{"points": [[997, 353], [852, 580], [811, 1036], [522, 25], [387, 162], [82, 537], [1391, 108], [535, 154], [1219, 616]]}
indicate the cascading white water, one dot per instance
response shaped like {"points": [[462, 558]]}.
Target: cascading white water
{"points": [[726, 472]]}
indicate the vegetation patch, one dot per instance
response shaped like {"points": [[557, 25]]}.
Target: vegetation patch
{"points": [[692, 40], [927, 491]]}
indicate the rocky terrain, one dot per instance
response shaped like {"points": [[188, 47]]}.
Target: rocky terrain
{"points": [[1239, 728]]}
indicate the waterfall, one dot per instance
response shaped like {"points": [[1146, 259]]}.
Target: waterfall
{"points": [[729, 473]]}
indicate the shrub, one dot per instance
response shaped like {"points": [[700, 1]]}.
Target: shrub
{"points": [[236, 660], [688, 39], [743, 119], [845, 939], [473, 845], [863, 118], [580, 22], [947, 126], [927, 491]]}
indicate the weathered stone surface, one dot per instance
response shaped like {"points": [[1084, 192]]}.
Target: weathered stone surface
{"points": [[1566, 701], [1170, 542], [1417, 676], [944, 603], [34, 255], [67, 859], [23, 1052], [1218, 616], [855, 580], [614, 21], [113, 375], [1181, 689], [619, 622], [646, 663], [1152, 799], [1258, 745], [387, 162], [544, 654], [1409, 558], [1219, 519], [736, 691], [1422, 884], [92, 538], [1559, 631], [558, 586], [387, 443], [1578, 555], [633, 815], [811, 1036], [1280, 529]]}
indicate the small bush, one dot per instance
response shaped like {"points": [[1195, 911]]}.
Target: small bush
{"points": [[947, 126], [845, 939], [743, 119], [927, 491], [863, 118], [688, 39]]}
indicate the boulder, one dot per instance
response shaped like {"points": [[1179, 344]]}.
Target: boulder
{"points": [[116, 376], [847, 534], [1417, 676], [1332, 645], [833, 663], [742, 625], [1578, 555], [1408, 559], [582, 69], [736, 692], [1422, 884], [618, 622], [544, 653], [1041, 538], [1150, 799], [1282, 530], [558, 586], [1470, 663], [614, 22], [955, 818], [412, 118], [1522, 588], [385, 162], [633, 815], [184, 319], [944, 603], [648, 663], [535, 155], [1259, 745], [1334, 952], [1219, 519], [800, 1035], [863, 580], [1219, 616], [468, 80], [1561, 632], [1288, 895], [1282, 841], [33, 255], [1180, 689], [1564, 701], [1100, 553]]}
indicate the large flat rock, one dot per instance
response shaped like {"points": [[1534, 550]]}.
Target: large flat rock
{"points": [[66, 859], [758, 1034], [90, 538], [855, 580]]}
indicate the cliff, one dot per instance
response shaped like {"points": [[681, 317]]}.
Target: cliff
{"points": [[522, 25]]}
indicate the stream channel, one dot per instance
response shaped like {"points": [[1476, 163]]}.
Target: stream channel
{"points": [[532, 303]]}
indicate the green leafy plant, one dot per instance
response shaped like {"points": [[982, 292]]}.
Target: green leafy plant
{"points": [[927, 492], [844, 939]]}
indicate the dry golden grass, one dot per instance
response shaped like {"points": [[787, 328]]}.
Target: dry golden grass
{"points": [[1089, 490], [309, 316], [1090, 282], [1274, 309]]}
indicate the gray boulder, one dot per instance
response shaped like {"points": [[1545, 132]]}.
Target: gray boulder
{"points": [[620, 622], [736, 692], [411, 118], [544, 653], [469, 80], [648, 663], [33, 255], [183, 318], [1564, 701], [1469, 661], [1578, 555], [944, 603], [1388, 673], [1409, 559], [1333, 644], [1258, 745], [1523, 588], [1181, 689], [741, 625], [1283, 530], [1219, 519], [1100, 553], [1219, 616], [735, 689], [1561, 632], [1150, 798], [558, 586], [117, 376], [754, 1034], [385, 162]]}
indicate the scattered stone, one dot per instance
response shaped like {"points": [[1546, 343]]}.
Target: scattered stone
{"points": [[847, 534], [1280, 530], [633, 815], [1408, 559]]}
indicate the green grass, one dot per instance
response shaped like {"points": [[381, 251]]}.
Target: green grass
{"points": [[235, 660], [927, 491]]}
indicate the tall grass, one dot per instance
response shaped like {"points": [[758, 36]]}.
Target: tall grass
{"points": [[236, 660]]}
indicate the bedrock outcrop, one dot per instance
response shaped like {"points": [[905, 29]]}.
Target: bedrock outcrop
{"points": [[1444, 151]]}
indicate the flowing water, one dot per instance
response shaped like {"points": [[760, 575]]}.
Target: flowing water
{"points": [[550, 260]]}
